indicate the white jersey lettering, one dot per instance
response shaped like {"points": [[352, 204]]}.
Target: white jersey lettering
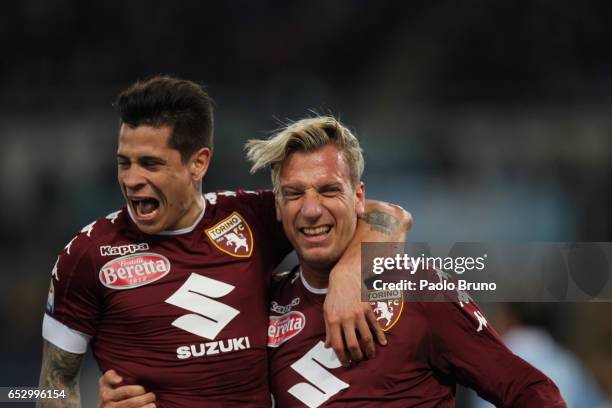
{"points": [[309, 367], [210, 316]]}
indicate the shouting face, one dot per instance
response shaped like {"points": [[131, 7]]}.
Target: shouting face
{"points": [[317, 205], [162, 192]]}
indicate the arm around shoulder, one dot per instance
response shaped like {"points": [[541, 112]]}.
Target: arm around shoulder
{"points": [[387, 219], [343, 310]]}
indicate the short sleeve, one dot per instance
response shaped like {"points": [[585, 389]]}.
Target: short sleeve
{"points": [[73, 306], [278, 246]]}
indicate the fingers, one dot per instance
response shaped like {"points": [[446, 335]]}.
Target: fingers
{"points": [[353, 337], [127, 396], [109, 379], [379, 333], [125, 392], [367, 340], [146, 400], [333, 339], [352, 343]]}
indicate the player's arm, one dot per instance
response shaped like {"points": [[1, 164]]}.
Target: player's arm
{"points": [[113, 395], [60, 370], [345, 314], [465, 347]]}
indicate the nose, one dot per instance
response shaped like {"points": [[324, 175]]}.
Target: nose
{"points": [[132, 178], [311, 205]]}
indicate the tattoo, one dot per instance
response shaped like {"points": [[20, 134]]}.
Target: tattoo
{"points": [[60, 370], [381, 221]]}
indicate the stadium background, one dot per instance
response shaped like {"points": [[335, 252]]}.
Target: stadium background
{"points": [[487, 120]]}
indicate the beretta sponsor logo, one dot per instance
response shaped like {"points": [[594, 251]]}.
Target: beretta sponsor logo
{"points": [[135, 270], [121, 250], [283, 328]]}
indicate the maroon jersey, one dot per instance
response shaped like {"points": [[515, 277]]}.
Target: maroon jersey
{"points": [[431, 347], [182, 313]]}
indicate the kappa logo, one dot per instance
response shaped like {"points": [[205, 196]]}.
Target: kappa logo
{"points": [[275, 307], [285, 327], [132, 271], [387, 305], [121, 250], [233, 236]]}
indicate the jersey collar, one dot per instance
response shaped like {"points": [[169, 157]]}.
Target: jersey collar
{"points": [[181, 231], [311, 289]]}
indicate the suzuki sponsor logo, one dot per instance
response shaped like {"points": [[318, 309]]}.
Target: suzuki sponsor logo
{"points": [[285, 327], [121, 250], [213, 347], [132, 271]]}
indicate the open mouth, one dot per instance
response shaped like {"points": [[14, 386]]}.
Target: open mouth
{"points": [[316, 232], [145, 208]]}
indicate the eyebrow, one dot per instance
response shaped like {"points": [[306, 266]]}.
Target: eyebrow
{"points": [[153, 159], [293, 186], [331, 185], [144, 159], [300, 187]]}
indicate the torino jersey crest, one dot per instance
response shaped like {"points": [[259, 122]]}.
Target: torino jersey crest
{"points": [[233, 236], [387, 305]]}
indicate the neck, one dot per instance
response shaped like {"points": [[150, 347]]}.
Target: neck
{"points": [[194, 211], [316, 277]]}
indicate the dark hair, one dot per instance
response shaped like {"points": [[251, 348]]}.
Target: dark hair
{"points": [[164, 100]]}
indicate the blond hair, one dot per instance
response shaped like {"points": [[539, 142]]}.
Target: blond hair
{"points": [[305, 135]]}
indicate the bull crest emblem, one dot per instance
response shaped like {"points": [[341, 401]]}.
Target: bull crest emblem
{"points": [[384, 311], [233, 236], [387, 306]]}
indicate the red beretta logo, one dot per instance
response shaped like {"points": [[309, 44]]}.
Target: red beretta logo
{"points": [[134, 270], [282, 328]]}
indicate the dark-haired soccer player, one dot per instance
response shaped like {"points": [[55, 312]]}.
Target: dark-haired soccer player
{"points": [[170, 290]]}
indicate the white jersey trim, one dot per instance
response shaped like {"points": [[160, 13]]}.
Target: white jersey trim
{"points": [[311, 289], [181, 231], [70, 340]]}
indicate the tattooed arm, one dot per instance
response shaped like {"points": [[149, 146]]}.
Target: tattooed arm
{"points": [[345, 314], [60, 370], [388, 219]]}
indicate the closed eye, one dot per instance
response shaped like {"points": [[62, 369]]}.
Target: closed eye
{"points": [[123, 162], [290, 194], [330, 191], [152, 163]]}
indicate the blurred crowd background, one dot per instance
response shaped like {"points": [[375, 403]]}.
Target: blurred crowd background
{"points": [[487, 120]]}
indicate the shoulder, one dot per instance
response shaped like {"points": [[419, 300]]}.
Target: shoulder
{"points": [[284, 282], [239, 198], [257, 208], [92, 239]]}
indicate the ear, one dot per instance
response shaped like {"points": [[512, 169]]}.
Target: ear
{"points": [[360, 198], [198, 165]]}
